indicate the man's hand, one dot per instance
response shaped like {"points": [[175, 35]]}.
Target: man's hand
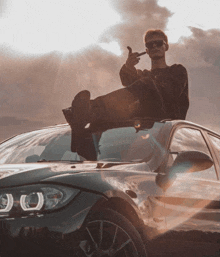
{"points": [[133, 58]]}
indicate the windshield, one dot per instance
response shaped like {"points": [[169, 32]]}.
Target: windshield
{"points": [[125, 144]]}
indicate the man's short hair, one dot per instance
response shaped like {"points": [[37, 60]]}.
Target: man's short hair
{"points": [[152, 32]]}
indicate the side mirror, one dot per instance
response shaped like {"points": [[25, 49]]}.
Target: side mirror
{"points": [[185, 162], [191, 161]]}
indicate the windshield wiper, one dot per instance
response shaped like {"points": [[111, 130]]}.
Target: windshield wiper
{"points": [[111, 164], [71, 161]]}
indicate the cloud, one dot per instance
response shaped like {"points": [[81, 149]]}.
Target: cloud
{"points": [[137, 17], [10, 126], [2, 7], [38, 88], [7, 121], [200, 50], [200, 54], [26, 83], [13, 121]]}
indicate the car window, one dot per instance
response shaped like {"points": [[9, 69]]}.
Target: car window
{"points": [[216, 143], [188, 139]]}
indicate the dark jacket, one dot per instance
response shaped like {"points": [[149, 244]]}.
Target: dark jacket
{"points": [[171, 84]]}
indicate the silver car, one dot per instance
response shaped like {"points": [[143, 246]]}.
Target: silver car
{"points": [[116, 190]]}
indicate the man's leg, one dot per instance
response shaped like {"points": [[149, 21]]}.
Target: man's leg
{"points": [[115, 106], [139, 99]]}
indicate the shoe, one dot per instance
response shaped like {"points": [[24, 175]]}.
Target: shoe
{"points": [[68, 115], [78, 115], [81, 109]]}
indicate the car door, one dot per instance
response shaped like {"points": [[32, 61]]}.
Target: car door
{"points": [[192, 200], [129, 147], [215, 143]]}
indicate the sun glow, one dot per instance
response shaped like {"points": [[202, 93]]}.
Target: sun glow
{"points": [[113, 47], [35, 27]]}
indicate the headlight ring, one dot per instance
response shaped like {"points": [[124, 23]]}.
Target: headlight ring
{"points": [[26, 204], [6, 202], [35, 198]]}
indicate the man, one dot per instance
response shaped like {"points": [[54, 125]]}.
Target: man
{"points": [[161, 93], [171, 82]]}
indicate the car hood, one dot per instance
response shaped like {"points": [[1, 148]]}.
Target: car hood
{"points": [[22, 174]]}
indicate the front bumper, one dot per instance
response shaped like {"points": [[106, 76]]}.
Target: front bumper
{"points": [[52, 234]]}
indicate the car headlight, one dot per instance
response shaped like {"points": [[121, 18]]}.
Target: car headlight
{"points": [[6, 202], [35, 198], [31, 202]]}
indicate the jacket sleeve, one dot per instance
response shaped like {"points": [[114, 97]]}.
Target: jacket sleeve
{"points": [[183, 94], [129, 76]]}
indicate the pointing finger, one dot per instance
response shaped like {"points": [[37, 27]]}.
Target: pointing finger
{"points": [[129, 49]]}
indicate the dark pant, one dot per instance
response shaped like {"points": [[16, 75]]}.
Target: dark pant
{"points": [[141, 99]]}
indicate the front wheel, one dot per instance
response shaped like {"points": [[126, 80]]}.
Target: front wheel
{"points": [[108, 233]]}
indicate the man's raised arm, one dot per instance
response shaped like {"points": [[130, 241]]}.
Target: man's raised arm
{"points": [[128, 73]]}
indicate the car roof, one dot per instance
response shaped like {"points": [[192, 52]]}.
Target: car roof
{"points": [[189, 123]]}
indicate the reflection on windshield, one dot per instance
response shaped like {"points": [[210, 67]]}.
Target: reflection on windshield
{"points": [[46, 144], [124, 144]]}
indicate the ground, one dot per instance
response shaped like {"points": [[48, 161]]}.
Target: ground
{"points": [[186, 244]]}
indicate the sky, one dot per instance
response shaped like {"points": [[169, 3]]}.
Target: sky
{"points": [[52, 49]]}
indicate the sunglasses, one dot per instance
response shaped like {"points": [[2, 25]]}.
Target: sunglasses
{"points": [[157, 43]]}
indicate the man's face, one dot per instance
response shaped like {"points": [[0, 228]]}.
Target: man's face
{"points": [[156, 50]]}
